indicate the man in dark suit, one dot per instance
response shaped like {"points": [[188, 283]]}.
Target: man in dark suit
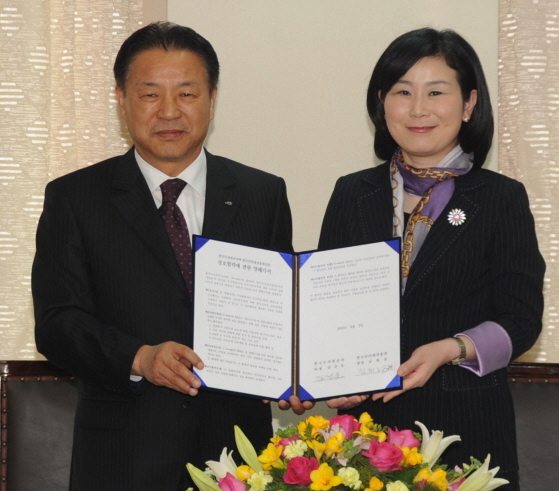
{"points": [[111, 303]]}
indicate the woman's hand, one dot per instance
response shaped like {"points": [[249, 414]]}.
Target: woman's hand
{"points": [[423, 362], [346, 402]]}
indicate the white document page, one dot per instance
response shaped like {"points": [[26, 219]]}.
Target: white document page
{"points": [[243, 319], [350, 320]]}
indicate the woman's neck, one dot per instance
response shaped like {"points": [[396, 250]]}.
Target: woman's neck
{"points": [[410, 202]]}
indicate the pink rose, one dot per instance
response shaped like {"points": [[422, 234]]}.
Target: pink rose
{"points": [[231, 483], [402, 438], [347, 423], [385, 456], [299, 471]]}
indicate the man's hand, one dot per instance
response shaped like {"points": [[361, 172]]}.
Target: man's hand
{"points": [[296, 405], [168, 364]]}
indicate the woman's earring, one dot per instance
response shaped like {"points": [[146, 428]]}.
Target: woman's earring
{"points": [[466, 120]]}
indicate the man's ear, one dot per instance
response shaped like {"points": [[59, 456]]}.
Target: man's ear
{"points": [[121, 105], [213, 97]]}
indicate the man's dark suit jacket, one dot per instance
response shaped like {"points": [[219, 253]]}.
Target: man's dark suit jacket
{"points": [[105, 282], [487, 269]]}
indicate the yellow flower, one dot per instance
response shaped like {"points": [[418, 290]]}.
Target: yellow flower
{"points": [[324, 479], [302, 429], [271, 457], [315, 423], [422, 475], [375, 484], [437, 478], [379, 435], [259, 481], [397, 486], [367, 434], [318, 422], [411, 456], [276, 439], [317, 447], [295, 449], [365, 419], [244, 472], [368, 427], [364, 431], [350, 477], [334, 444]]}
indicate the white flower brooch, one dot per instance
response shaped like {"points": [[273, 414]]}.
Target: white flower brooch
{"points": [[456, 217]]}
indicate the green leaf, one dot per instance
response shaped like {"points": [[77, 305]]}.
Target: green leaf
{"points": [[246, 450], [203, 481]]}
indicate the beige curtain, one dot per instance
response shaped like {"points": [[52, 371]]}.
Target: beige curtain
{"points": [[529, 134], [58, 113]]}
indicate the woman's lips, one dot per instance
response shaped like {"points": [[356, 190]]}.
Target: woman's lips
{"points": [[420, 129]]}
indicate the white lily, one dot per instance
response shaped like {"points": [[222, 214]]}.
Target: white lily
{"points": [[226, 464], [433, 446], [246, 450], [483, 479], [202, 480]]}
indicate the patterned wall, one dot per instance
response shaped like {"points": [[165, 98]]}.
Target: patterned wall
{"points": [[529, 134], [58, 112]]}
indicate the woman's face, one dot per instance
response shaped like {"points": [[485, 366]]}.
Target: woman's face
{"points": [[424, 111]]}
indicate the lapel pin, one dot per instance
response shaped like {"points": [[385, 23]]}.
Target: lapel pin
{"points": [[229, 203], [456, 217]]}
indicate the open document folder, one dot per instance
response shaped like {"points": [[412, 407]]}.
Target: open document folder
{"points": [[318, 324]]}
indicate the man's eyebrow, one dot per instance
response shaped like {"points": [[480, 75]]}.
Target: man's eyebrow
{"points": [[143, 83], [186, 83]]}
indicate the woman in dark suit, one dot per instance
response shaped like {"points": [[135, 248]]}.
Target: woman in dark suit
{"points": [[472, 273]]}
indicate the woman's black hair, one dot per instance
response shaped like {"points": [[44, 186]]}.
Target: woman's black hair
{"points": [[405, 51]]}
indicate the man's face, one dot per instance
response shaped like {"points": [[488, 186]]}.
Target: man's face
{"points": [[168, 107]]}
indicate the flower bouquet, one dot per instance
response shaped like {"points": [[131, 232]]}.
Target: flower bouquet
{"points": [[344, 453]]}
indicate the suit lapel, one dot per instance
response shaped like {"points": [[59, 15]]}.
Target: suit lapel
{"points": [[132, 198], [443, 234], [375, 205], [222, 198]]}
